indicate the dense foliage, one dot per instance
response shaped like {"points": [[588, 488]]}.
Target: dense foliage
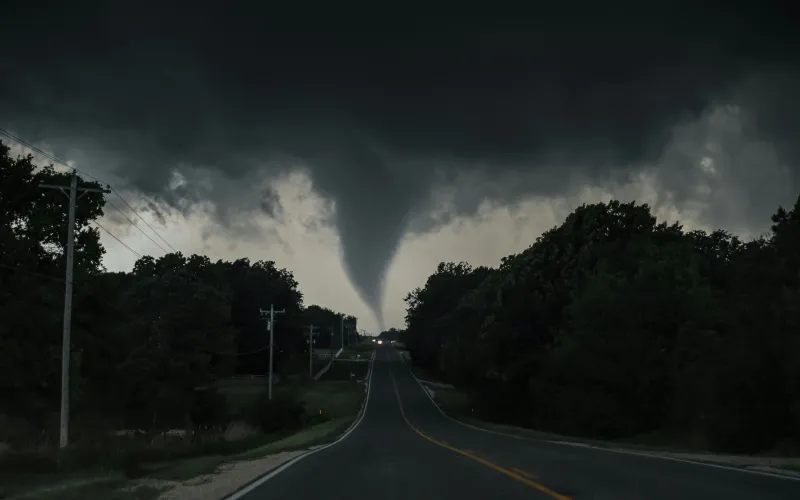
{"points": [[328, 326], [146, 345], [613, 325], [392, 334]]}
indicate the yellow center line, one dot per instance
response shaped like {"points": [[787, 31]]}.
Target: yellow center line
{"points": [[522, 472], [515, 474]]}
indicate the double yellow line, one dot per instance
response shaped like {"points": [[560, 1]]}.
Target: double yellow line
{"points": [[514, 474]]}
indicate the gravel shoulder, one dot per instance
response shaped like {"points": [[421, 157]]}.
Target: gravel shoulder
{"points": [[225, 481]]}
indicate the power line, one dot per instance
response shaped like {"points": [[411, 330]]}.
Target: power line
{"points": [[115, 237], [86, 174], [49, 156], [136, 226], [142, 218], [53, 278]]}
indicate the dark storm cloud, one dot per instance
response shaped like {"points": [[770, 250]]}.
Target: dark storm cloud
{"points": [[381, 110]]}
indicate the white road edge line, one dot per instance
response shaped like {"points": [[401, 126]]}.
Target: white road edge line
{"points": [[582, 445], [236, 495]]}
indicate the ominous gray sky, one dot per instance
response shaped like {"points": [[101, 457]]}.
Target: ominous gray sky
{"points": [[356, 139]]}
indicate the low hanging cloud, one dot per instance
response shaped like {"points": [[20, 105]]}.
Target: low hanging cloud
{"points": [[404, 126]]}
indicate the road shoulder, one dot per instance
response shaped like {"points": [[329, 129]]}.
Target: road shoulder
{"points": [[447, 400]]}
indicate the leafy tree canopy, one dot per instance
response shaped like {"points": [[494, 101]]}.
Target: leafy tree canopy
{"points": [[614, 325]]}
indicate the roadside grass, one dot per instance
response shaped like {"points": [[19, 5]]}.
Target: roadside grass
{"points": [[339, 401], [35, 475], [100, 490], [364, 346], [240, 392], [185, 469], [420, 373], [110, 486], [355, 353], [317, 365], [341, 370], [452, 401], [313, 436], [334, 398], [455, 403]]}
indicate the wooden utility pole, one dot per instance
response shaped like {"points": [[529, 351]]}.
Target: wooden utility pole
{"points": [[342, 331], [63, 437], [311, 351], [271, 327]]}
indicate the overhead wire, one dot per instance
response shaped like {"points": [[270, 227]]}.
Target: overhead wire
{"points": [[116, 238], [47, 155], [62, 280], [136, 226], [55, 159], [142, 218]]}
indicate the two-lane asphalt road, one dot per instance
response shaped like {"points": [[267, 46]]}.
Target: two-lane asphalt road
{"points": [[405, 448]]}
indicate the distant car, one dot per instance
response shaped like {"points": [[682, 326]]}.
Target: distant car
{"points": [[380, 341]]}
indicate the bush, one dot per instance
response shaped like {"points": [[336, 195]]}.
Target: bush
{"points": [[285, 411]]}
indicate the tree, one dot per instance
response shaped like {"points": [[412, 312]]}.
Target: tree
{"points": [[612, 324], [33, 229], [148, 345]]}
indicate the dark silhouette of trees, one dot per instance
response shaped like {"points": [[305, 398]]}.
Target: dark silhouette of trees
{"points": [[146, 345], [613, 325]]}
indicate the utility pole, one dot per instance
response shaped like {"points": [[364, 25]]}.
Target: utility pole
{"points": [[341, 330], [310, 351], [271, 327], [332, 331], [63, 436]]}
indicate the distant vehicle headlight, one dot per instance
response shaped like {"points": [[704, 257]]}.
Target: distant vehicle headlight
{"points": [[380, 341]]}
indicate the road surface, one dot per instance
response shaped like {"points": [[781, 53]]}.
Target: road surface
{"points": [[404, 448]]}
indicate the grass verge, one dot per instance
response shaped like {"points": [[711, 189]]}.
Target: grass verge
{"points": [[110, 486], [345, 371], [332, 406], [456, 404], [361, 351]]}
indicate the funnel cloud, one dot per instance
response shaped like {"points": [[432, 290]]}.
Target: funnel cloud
{"points": [[383, 116]]}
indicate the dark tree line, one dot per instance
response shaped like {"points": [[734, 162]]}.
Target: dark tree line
{"points": [[614, 325], [143, 342], [392, 334], [328, 326]]}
